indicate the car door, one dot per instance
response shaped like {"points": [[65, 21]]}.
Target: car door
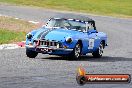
{"points": [[89, 39], [92, 34]]}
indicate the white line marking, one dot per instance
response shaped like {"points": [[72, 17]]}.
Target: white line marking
{"points": [[34, 22], [24, 41], [16, 18]]}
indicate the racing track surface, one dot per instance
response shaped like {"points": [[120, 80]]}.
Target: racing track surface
{"points": [[18, 71]]}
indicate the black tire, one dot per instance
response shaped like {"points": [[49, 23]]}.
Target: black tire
{"points": [[99, 52], [31, 54], [76, 53]]}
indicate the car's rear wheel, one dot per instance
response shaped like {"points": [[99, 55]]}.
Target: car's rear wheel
{"points": [[76, 51], [98, 53], [31, 54]]}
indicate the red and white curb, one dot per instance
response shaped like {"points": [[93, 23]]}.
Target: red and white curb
{"points": [[21, 44], [8, 46], [12, 46]]}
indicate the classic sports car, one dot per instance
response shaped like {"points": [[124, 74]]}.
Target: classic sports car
{"points": [[71, 37]]}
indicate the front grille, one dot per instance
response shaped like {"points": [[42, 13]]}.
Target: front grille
{"points": [[48, 43]]}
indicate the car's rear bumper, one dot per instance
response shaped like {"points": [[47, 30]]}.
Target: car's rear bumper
{"points": [[49, 50]]}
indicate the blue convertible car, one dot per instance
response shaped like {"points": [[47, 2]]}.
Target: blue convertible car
{"points": [[71, 37]]}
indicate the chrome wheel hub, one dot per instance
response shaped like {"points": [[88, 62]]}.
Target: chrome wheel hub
{"points": [[101, 49]]}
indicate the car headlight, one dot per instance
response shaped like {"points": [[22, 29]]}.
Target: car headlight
{"points": [[29, 35], [68, 39]]}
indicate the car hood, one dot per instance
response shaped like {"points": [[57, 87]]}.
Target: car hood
{"points": [[58, 34]]}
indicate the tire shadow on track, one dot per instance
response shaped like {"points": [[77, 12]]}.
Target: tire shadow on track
{"points": [[91, 59]]}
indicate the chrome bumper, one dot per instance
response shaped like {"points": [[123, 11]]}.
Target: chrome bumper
{"points": [[49, 48], [29, 46]]}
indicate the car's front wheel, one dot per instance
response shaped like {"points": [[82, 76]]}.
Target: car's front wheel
{"points": [[76, 51], [31, 54], [98, 53]]}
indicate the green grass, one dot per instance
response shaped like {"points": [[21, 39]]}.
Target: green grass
{"points": [[14, 30], [7, 36], [102, 7]]}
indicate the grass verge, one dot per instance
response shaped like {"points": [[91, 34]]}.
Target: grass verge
{"points": [[120, 8], [8, 36], [13, 30]]}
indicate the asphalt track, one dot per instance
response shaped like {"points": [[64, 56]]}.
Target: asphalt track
{"points": [[18, 71]]}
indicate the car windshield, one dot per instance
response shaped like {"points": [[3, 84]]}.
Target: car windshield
{"points": [[69, 24]]}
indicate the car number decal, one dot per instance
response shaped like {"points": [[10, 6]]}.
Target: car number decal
{"points": [[91, 44]]}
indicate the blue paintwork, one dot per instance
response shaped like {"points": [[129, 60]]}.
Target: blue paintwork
{"points": [[60, 34]]}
